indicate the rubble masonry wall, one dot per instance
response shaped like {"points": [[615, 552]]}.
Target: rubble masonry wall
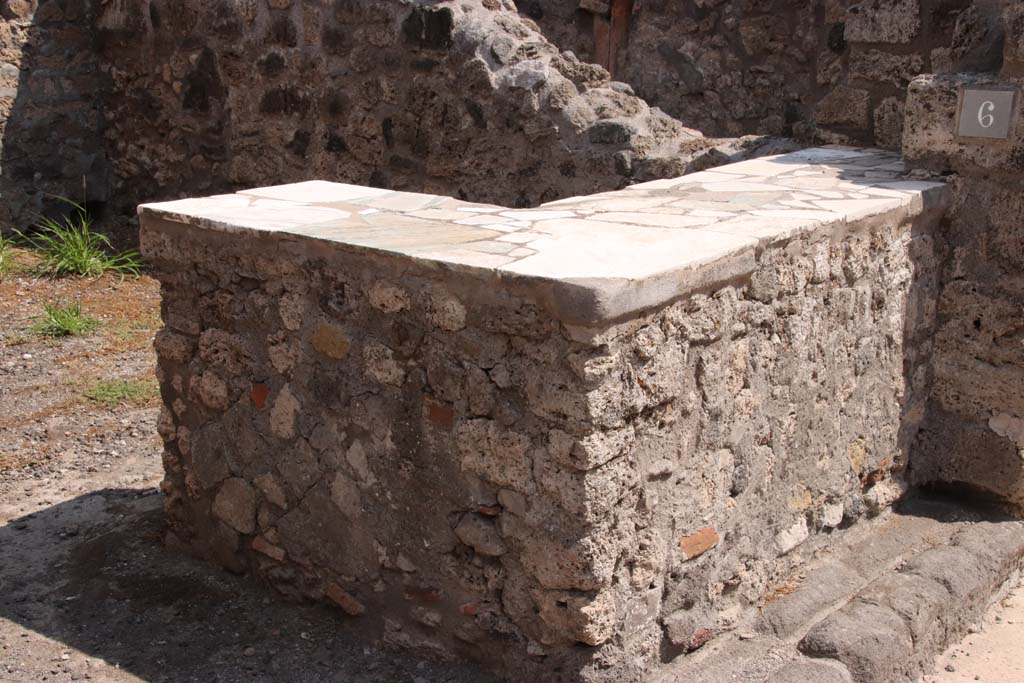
{"points": [[832, 71], [974, 435], [152, 99]]}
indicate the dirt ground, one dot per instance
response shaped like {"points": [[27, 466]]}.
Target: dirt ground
{"points": [[88, 592], [994, 652]]}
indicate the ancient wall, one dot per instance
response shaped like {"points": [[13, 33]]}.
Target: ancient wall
{"points": [[462, 99], [467, 100], [827, 70], [136, 100], [974, 436], [124, 101], [51, 118]]}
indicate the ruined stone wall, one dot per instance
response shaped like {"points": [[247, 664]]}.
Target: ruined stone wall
{"points": [[469, 100], [974, 436], [153, 99], [136, 100], [463, 99], [764, 417], [50, 109], [443, 459], [827, 70]]}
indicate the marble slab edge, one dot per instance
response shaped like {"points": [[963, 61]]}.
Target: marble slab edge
{"points": [[597, 301]]}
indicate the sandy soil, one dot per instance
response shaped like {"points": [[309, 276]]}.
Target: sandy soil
{"points": [[994, 653]]}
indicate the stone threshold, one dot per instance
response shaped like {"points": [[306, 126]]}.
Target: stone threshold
{"points": [[598, 258], [877, 608]]}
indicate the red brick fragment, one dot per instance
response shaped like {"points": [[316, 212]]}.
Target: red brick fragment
{"points": [[441, 415], [343, 599], [700, 638], [259, 394], [698, 543], [421, 594], [262, 545], [489, 510], [469, 609]]}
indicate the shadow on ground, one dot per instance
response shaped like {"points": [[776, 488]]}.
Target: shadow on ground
{"points": [[110, 603], [92, 574]]}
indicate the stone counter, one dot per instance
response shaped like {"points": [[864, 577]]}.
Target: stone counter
{"points": [[571, 442]]}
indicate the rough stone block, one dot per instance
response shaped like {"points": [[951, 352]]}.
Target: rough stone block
{"points": [[956, 570], [884, 67], [930, 127], [978, 38], [883, 21], [1013, 47], [539, 437], [785, 616], [844, 106], [917, 599], [872, 641], [888, 118], [806, 671]]}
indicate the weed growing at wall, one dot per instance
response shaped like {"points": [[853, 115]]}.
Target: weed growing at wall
{"points": [[6, 257], [70, 247]]}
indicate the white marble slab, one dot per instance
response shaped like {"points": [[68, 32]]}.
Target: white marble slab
{"points": [[612, 252]]}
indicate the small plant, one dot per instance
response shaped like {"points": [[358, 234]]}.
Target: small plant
{"points": [[70, 247], [7, 263], [64, 321], [116, 392]]}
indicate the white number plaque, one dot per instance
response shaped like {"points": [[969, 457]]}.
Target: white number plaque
{"points": [[986, 113]]}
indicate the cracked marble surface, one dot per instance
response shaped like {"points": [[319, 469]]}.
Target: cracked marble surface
{"points": [[653, 239]]}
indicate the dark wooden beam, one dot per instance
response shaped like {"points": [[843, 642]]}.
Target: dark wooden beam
{"points": [[611, 34]]}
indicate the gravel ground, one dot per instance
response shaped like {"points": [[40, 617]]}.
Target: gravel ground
{"points": [[87, 590]]}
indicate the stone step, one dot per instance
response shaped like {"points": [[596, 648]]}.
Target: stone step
{"points": [[877, 609]]}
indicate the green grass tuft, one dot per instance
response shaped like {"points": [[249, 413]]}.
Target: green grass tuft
{"points": [[117, 392], [7, 264], [70, 247], [64, 321]]}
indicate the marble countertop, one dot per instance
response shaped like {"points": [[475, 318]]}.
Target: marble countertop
{"points": [[609, 254]]}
